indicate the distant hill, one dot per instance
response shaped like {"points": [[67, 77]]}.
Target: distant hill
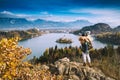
{"points": [[39, 23], [79, 23], [13, 22], [95, 29], [117, 29], [23, 34]]}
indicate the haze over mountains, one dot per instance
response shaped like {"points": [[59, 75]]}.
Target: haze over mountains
{"points": [[9, 20], [39, 23]]}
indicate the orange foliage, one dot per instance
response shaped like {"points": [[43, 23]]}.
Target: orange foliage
{"points": [[11, 56]]}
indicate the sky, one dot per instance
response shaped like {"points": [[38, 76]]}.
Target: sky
{"points": [[95, 11]]}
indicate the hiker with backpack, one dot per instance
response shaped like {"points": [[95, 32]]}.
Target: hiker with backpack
{"points": [[86, 45]]}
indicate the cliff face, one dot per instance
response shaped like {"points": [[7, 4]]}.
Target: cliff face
{"points": [[76, 71]]}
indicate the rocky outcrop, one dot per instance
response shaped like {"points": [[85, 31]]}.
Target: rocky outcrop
{"points": [[76, 71]]}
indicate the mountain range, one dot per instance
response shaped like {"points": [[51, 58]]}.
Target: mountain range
{"points": [[10, 21], [6, 23]]}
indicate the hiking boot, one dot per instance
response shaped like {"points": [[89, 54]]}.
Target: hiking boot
{"points": [[89, 64], [84, 64]]}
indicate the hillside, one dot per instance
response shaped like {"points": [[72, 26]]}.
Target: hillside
{"points": [[13, 66], [14, 23], [72, 70], [105, 59], [109, 37], [95, 29], [116, 29], [23, 34]]}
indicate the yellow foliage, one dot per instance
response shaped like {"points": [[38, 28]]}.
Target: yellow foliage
{"points": [[11, 56], [12, 66]]}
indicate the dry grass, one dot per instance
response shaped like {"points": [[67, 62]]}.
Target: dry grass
{"points": [[108, 68]]}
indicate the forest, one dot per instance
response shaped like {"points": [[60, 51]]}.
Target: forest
{"points": [[23, 34], [109, 37]]}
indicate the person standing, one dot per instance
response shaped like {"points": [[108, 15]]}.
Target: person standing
{"points": [[85, 43]]}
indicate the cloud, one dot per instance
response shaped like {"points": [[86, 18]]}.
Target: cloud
{"points": [[95, 11], [31, 17], [13, 15], [23, 15], [44, 13], [110, 16], [6, 12]]}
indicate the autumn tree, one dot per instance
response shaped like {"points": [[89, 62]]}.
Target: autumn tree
{"points": [[11, 57]]}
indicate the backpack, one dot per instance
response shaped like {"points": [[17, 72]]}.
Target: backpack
{"points": [[89, 45], [86, 46]]}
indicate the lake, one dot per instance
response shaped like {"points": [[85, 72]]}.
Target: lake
{"points": [[39, 44]]}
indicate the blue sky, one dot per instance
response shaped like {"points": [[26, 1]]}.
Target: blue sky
{"points": [[95, 11]]}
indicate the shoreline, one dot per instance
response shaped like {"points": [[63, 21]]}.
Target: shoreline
{"points": [[22, 34]]}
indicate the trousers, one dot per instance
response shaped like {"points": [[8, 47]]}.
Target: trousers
{"points": [[86, 57]]}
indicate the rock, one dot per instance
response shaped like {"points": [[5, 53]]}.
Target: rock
{"points": [[44, 67], [76, 71], [74, 77], [64, 60], [62, 66]]}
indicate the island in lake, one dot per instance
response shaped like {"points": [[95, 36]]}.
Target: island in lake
{"points": [[64, 40]]}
